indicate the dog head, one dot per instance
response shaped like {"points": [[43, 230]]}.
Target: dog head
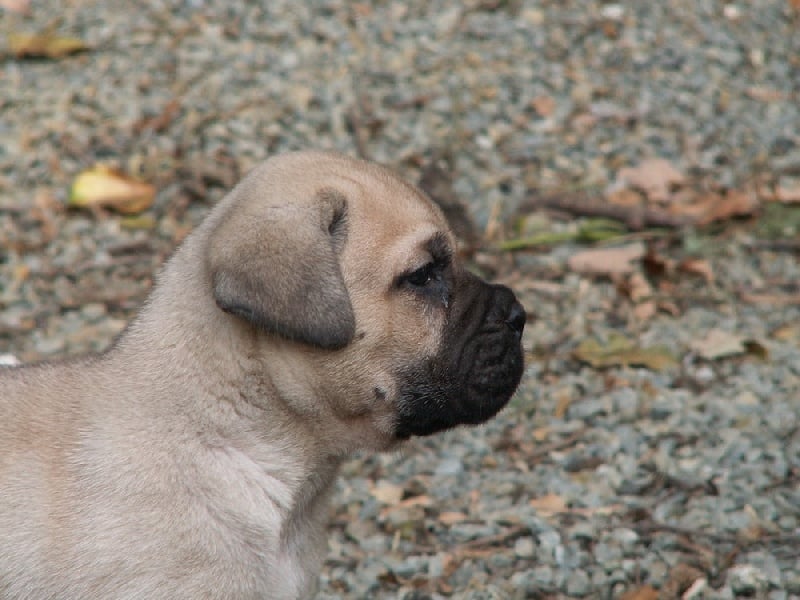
{"points": [[350, 275]]}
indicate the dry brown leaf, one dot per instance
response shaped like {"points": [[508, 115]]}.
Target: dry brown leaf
{"points": [[564, 398], [712, 206], [160, 122], [413, 507], [718, 344], [697, 266], [696, 590], [681, 577], [655, 177], [607, 261], [764, 94], [669, 307], [645, 310], [772, 299], [102, 186], [543, 105], [551, 289], [620, 351], [452, 517], [549, 503], [584, 122], [722, 344], [44, 45], [540, 434], [553, 504], [20, 7], [787, 333], [732, 204], [646, 592], [421, 500], [638, 288], [624, 197], [387, 493], [789, 194]]}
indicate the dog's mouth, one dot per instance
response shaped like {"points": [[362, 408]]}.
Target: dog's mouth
{"points": [[492, 371], [477, 375]]}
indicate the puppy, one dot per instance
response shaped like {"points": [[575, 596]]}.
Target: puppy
{"points": [[320, 309]]}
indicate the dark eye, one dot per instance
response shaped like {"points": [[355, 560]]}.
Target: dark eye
{"points": [[422, 276]]}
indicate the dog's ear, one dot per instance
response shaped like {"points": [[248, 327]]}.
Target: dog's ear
{"points": [[277, 267]]}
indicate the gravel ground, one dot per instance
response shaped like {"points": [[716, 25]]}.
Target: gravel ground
{"points": [[594, 483]]}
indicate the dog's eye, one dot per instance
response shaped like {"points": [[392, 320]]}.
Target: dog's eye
{"points": [[422, 276]]}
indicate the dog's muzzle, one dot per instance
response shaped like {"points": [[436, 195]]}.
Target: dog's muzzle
{"points": [[478, 368]]}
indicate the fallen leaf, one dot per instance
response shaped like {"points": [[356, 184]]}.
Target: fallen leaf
{"points": [[550, 289], [655, 177], [696, 590], [620, 351], [44, 45], [564, 398], [718, 343], [788, 194], [549, 503], [764, 94], [787, 333], [607, 261], [20, 7], [646, 592], [146, 222], [681, 577], [452, 517], [584, 122], [638, 288], [710, 207], [540, 434], [420, 500], [102, 186], [160, 122], [772, 299], [410, 509], [552, 504], [624, 197], [543, 105], [697, 266], [387, 493], [645, 310], [669, 307], [731, 204]]}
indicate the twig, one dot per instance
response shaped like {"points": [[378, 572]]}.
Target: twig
{"points": [[634, 217], [776, 245], [568, 441], [719, 538], [493, 540]]}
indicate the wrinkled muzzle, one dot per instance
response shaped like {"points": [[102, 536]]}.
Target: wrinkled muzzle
{"points": [[477, 369]]}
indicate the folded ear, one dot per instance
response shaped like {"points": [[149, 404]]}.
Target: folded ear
{"points": [[277, 267]]}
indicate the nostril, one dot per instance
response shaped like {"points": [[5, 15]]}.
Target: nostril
{"points": [[516, 317]]}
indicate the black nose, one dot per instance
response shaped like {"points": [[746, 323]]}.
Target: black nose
{"points": [[516, 317]]}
